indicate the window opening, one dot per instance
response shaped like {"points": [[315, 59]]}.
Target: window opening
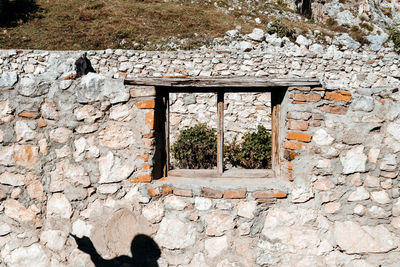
{"points": [[193, 131], [247, 131]]}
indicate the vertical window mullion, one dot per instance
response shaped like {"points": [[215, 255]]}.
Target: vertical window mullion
{"points": [[220, 132]]}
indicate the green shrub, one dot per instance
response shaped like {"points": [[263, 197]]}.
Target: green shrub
{"points": [[254, 151], [280, 30], [196, 148], [395, 37]]}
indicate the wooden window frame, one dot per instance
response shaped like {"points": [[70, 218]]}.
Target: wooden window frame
{"points": [[220, 86]]}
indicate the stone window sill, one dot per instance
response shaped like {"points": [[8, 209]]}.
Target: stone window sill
{"points": [[261, 189]]}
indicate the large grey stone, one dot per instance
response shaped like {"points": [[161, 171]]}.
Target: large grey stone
{"points": [[175, 234], [346, 41], [8, 79], [353, 238], [154, 212], [363, 103], [96, 87], [30, 86], [353, 160], [376, 41]]}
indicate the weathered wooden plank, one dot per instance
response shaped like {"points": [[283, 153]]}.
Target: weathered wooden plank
{"points": [[220, 133], [223, 82], [167, 159]]}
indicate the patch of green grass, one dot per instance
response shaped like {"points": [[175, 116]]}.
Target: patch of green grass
{"points": [[395, 36]]}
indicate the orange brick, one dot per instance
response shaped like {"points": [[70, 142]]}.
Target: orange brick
{"points": [[290, 166], [317, 89], [143, 91], [146, 104], [338, 96], [183, 192], [300, 88], [303, 137], [297, 125], [292, 145], [41, 123], [306, 97], [146, 167], [153, 192], [334, 109], [370, 62], [150, 119], [29, 114], [269, 194], [235, 193], [69, 77], [210, 193], [144, 178], [166, 189]]}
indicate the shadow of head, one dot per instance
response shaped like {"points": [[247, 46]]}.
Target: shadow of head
{"points": [[145, 252]]}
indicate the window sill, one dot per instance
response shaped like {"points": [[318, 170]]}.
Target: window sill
{"points": [[222, 187]]}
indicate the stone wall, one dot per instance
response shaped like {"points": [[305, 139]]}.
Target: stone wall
{"points": [[78, 156]]}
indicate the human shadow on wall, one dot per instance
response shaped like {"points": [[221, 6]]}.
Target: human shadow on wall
{"points": [[145, 253]]}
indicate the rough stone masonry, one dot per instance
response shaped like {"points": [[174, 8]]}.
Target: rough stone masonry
{"points": [[78, 156]]}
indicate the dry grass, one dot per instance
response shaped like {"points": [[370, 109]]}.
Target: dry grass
{"points": [[100, 24]]}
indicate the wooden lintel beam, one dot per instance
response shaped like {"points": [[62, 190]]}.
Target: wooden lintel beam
{"points": [[223, 82]]}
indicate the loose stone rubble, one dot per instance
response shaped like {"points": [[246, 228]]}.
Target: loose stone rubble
{"points": [[79, 156]]}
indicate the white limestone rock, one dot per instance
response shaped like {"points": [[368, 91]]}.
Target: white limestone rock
{"points": [[154, 212], [8, 79], [380, 197], [81, 228], [113, 169], [61, 135], [353, 238], [175, 202], [175, 234], [24, 132], [218, 223], [359, 194], [34, 256], [245, 46], [322, 138], [354, 160], [58, 206], [215, 246], [202, 203], [301, 40], [257, 35], [12, 179], [53, 239], [246, 209]]}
